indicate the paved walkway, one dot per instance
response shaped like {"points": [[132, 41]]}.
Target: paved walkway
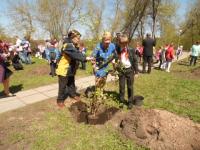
{"points": [[45, 92]]}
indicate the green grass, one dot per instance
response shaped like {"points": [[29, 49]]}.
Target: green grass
{"points": [[36, 75], [178, 91], [45, 128], [61, 132]]}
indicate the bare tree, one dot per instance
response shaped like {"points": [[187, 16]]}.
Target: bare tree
{"points": [[95, 18], [57, 17], [117, 19], [155, 6], [134, 12], [21, 14]]}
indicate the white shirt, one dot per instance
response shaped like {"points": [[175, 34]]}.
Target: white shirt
{"points": [[124, 60]]}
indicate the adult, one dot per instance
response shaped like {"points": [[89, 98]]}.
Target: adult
{"points": [[67, 66], [148, 43], [127, 61], [195, 52], [4, 71], [102, 52]]}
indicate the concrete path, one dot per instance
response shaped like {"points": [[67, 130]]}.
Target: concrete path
{"points": [[41, 93], [45, 92]]}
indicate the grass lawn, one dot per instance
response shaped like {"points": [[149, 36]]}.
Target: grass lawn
{"points": [[41, 126], [36, 75], [177, 91]]}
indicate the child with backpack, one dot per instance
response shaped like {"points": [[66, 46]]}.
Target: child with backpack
{"points": [[52, 55]]}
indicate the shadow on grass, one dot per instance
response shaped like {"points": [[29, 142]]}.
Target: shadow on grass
{"points": [[137, 100], [114, 95], [13, 89], [16, 88]]}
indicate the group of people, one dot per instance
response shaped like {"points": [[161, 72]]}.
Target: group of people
{"points": [[18, 53], [166, 54], [122, 57], [64, 61], [117, 52]]}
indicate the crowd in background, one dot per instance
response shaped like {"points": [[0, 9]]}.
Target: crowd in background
{"points": [[52, 51]]}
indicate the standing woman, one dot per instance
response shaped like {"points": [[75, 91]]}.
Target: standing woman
{"points": [[4, 71]]}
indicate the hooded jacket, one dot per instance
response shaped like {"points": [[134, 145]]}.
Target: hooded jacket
{"points": [[70, 56]]}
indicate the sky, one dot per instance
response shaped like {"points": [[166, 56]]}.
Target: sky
{"points": [[6, 23]]}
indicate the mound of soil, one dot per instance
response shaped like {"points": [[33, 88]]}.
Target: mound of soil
{"points": [[158, 129], [151, 128]]}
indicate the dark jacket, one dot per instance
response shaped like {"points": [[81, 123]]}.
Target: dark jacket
{"points": [[70, 58], [148, 45], [132, 58]]}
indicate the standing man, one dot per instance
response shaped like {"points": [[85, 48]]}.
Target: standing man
{"points": [[67, 66], [127, 66], [148, 43]]}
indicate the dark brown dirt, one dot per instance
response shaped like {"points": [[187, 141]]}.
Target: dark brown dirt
{"points": [[158, 129], [151, 128], [80, 112]]}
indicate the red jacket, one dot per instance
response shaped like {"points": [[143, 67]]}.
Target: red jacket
{"points": [[169, 54]]}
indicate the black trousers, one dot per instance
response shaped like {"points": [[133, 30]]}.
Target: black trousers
{"points": [[126, 77], [147, 59], [83, 65], [53, 68], [62, 84], [161, 61], [71, 88], [193, 60], [66, 87]]}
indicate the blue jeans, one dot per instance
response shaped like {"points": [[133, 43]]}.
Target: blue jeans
{"points": [[25, 57], [22, 56]]}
